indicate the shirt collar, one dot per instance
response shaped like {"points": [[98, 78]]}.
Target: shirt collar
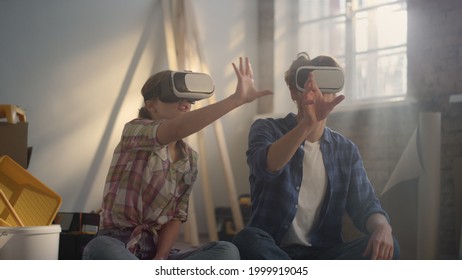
{"points": [[163, 152], [327, 135]]}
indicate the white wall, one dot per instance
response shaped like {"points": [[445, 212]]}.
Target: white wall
{"points": [[285, 50], [77, 67]]}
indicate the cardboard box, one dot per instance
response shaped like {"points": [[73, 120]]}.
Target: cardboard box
{"points": [[13, 142], [78, 223], [77, 230], [71, 245]]}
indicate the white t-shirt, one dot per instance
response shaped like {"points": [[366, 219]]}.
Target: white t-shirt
{"points": [[312, 192]]}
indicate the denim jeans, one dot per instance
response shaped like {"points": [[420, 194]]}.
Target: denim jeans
{"points": [[111, 245], [254, 243]]}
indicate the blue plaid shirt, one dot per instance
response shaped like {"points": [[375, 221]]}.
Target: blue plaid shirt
{"points": [[275, 195]]}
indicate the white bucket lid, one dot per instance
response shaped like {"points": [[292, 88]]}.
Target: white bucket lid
{"points": [[30, 230]]}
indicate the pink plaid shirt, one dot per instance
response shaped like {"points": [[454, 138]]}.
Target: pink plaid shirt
{"points": [[144, 189]]}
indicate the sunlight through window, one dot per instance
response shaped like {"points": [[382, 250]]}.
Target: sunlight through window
{"points": [[368, 38]]}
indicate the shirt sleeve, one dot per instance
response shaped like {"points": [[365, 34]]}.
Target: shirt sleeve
{"points": [[189, 178], [140, 134], [181, 212], [362, 200], [262, 134]]}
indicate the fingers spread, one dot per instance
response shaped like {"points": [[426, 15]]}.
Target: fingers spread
{"points": [[337, 100], [308, 86], [241, 66], [265, 92], [368, 249], [248, 67], [235, 69]]}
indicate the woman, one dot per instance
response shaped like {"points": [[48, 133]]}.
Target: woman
{"points": [[152, 173]]}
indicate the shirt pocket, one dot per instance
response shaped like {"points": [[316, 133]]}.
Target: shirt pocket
{"points": [[183, 184], [188, 178]]}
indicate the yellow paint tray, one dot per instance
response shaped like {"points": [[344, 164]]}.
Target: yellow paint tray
{"points": [[34, 203], [11, 216]]}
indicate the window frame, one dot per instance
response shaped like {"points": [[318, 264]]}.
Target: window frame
{"points": [[348, 14]]}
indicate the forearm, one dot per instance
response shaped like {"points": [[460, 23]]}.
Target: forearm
{"points": [[378, 221], [167, 238], [281, 151], [193, 121]]}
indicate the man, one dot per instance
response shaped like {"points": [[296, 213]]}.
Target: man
{"points": [[304, 177]]}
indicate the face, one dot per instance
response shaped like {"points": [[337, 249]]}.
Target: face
{"points": [[168, 110]]}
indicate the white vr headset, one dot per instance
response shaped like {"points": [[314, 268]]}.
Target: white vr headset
{"points": [[329, 79], [192, 86]]}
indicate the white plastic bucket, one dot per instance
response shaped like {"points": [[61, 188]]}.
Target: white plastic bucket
{"points": [[29, 243]]}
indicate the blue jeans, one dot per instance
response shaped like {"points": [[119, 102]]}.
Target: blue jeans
{"points": [[111, 245], [256, 244]]}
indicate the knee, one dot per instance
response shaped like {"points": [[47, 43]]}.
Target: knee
{"points": [[96, 245], [245, 235], [228, 249], [100, 247], [250, 238], [256, 244], [242, 238]]}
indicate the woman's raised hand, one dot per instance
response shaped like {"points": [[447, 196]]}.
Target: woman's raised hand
{"points": [[245, 89]]}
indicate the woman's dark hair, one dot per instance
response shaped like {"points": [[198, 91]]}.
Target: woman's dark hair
{"points": [[151, 91], [303, 59], [143, 113]]}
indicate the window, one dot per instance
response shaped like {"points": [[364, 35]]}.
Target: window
{"points": [[367, 37]]}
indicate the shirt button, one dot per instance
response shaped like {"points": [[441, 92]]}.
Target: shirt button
{"points": [[298, 188], [296, 205]]}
